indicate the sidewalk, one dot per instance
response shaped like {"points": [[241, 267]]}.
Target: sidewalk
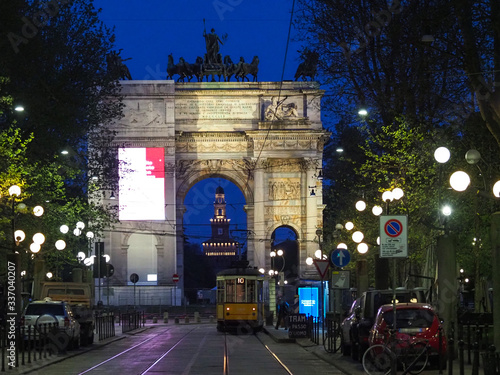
{"points": [[345, 363]]}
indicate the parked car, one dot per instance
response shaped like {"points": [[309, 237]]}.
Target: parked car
{"points": [[38, 313], [345, 327], [414, 322], [371, 301]]}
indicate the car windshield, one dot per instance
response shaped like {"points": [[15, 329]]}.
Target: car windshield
{"points": [[410, 318], [41, 309]]}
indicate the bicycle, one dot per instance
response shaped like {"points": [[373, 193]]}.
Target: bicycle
{"points": [[411, 356]]}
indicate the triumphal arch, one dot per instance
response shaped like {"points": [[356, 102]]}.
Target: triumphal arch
{"points": [[265, 137]]}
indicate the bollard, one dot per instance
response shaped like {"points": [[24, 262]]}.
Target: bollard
{"points": [[475, 359], [155, 319], [186, 319], [451, 352], [211, 318], [176, 320], [197, 318], [461, 356], [165, 317]]}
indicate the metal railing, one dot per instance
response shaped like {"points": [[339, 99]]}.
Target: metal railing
{"points": [[131, 320], [21, 345], [105, 325]]}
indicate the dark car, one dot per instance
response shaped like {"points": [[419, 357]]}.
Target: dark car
{"points": [[345, 327], [370, 302], [414, 322]]}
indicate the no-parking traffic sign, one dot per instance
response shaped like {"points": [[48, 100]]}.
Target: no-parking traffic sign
{"points": [[393, 236]]}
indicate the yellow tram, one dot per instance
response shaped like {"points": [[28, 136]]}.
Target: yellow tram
{"points": [[240, 299]]}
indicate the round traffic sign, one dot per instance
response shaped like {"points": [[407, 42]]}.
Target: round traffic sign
{"points": [[340, 257], [393, 228], [134, 278], [175, 278]]}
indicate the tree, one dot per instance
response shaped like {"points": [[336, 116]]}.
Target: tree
{"points": [[54, 59], [54, 63]]}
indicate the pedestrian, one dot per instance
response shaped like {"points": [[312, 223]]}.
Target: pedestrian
{"points": [[282, 314]]}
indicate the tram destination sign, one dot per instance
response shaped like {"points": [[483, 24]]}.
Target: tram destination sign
{"points": [[298, 326]]}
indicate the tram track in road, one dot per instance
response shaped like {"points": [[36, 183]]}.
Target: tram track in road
{"points": [[231, 358], [137, 346]]}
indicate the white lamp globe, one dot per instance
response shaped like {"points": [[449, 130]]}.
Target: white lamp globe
{"points": [[360, 205], [317, 254], [280, 253], [459, 181], [273, 254], [77, 231], [88, 261], [342, 246], [472, 156], [64, 229], [271, 272], [60, 245], [446, 210], [377, 210], [496, 189], [339, 226], [38, 211], [262, 270], [81, 256], [378, 240], [358, 236], [107, 258], [387, 196], [35, 248], [309, 261], [442, 155], [349, 225], [362, 248], [19, 235], [398, 193], [14, 190], [38, 238], [49, 275], [90, 234], [80, 225]]}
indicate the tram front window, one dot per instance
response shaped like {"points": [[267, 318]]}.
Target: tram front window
{"points": [[230, 291], [240, 291], [251, 290]]}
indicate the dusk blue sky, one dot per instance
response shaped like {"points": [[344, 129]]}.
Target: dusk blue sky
{"points": [[149, 30]]}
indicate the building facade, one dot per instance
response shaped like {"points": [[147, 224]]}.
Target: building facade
{"points": [[265, 137]]}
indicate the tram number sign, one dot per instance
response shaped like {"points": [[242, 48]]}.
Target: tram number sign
{"points": [[241, 280]]}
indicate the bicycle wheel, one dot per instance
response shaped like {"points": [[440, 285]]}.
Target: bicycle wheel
{"points": [[377, 360], [415, 358]]}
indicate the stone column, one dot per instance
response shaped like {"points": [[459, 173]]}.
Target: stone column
{"points": [[495, 249], [447, 281], [259, 259]]}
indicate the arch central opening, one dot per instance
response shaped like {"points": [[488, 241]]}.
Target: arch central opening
{"points": [[214, 234]]}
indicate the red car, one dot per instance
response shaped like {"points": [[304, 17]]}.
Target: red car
{"points": [[414, 322]]}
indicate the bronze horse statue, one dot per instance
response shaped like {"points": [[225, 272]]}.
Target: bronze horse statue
{"points": [[181, 69], [308, 67], [244, 69]]}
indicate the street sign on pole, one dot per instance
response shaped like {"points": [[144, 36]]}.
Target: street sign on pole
{"points": [[322, 267], [340, 257], [393, 236], [175, 278]]}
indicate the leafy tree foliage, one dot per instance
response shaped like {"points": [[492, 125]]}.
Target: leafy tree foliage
{"points": [[54, 64], [421, 93]]}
